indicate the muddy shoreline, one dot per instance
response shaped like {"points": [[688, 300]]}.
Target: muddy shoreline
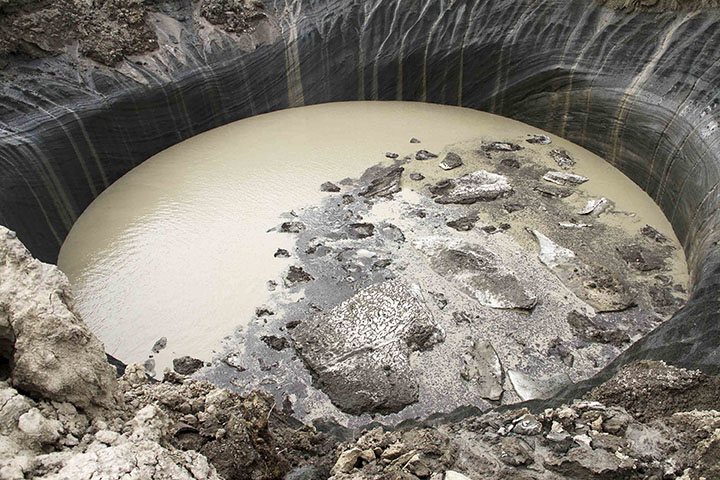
{"points": [[494, 321]]}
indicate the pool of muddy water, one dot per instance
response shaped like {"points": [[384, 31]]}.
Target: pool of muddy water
{"points": [[531, 258]]}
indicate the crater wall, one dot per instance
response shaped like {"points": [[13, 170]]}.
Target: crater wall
{"points": [[638, 89]]}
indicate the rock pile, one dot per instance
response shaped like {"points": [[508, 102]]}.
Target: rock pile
{"points": [[583, 440]]}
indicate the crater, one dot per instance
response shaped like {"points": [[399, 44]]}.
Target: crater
{"points": [[634, 84], [378, 307]]}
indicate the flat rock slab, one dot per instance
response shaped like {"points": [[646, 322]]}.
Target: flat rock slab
{"points": [[530, 387], [562, 178], [594, 284], [562, 158], [471, 188], [482, 365], [477, 272], [359, 351], [383, 182], [452, 160]]}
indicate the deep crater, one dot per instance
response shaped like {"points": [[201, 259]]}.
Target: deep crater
{"points": [[639, 89]]}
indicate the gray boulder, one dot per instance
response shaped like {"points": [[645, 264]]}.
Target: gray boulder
{"points": [[358, 351], [477, 272], [471, 188]]}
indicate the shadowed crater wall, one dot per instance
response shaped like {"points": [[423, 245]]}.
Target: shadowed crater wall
{"points": [[638, 89]]}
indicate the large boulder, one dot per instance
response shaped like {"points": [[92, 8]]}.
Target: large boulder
{"points": [[48, 350], [359, 351]]}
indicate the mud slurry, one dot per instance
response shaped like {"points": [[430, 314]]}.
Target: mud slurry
{"points": [[488, 273]]}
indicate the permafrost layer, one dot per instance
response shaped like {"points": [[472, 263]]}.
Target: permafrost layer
{"points": [[637, 89]]}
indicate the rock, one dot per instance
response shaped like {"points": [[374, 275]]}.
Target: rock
{"points": [[463, 224], [422, 337], [562, 178], [381, 264], [393, 451], [476, 271], [271, 285], [539, 139], [414, 140], [297, 276], [592, 331], [137, 454], [474, 187], [452, 160], [559, 441], [368, 455], [233, 360], [530, 388], [159, 345], [313, 245], [347, 460], [515, 452], [574, 225], [452, 475], [292, 227], [417, 467], [551, 254], [51, 352], [616, 420], [594, 206], [513, 207], [384, 182], [501, 147], [187, 365], [562, 158], [263, 312], [491, 229], [482, 365], [653, 234], [108, 437], [608, 442], [281, 253], [359, 352], [38, 428], [462, 317], [361, 230], [275, 342], [391, 155], [149, 365], [552, 192], [424, 155], [329, 187], [594, 284], [440, 300], [417, 176], [527, 425], [510, 162], [640, 258], [586, 463]]}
